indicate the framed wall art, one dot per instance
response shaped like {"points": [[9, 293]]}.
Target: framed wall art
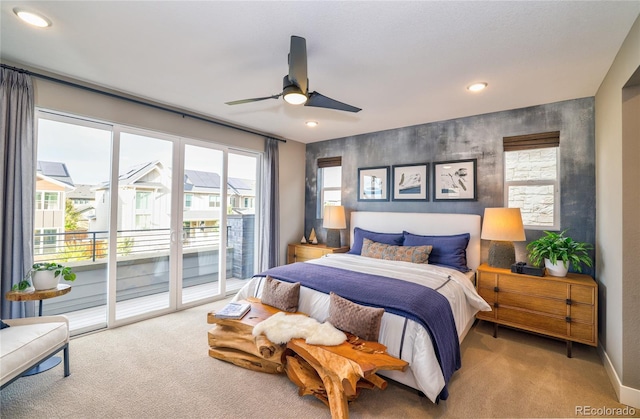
{"points": [[455, 180], [373, 184], [410, 182]]}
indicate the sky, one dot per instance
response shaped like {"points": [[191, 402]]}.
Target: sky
{"points": [[86, 152]]}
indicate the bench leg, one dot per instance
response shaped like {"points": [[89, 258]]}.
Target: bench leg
{"points": [[66, 361]]}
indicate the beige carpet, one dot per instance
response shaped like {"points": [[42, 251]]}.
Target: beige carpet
{"points": [[160, 368]]}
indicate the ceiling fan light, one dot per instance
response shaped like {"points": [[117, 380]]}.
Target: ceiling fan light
{"points": [[476, 87], [293, 95], [32, 18]]}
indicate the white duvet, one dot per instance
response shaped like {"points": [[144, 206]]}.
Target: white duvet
{"points": [[424, 372]]}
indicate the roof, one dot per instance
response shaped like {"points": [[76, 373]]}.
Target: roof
{"points": [[55, 170], [82, 192]]}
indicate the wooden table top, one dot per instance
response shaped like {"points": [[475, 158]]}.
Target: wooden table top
{"points": [[38, 294]]}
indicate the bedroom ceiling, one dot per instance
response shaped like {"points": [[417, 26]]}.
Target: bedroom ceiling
{"points": [[403, 63]]}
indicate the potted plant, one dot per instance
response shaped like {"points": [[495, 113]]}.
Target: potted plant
{"points": [[557, 250], [46, 275]]}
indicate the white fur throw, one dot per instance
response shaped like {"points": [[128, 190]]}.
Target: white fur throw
{"points": [[281, 328]]}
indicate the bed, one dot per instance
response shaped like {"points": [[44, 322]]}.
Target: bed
{"points": [[406, 337]]}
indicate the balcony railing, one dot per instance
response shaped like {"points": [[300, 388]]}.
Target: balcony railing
{"points": [[93, 245]]}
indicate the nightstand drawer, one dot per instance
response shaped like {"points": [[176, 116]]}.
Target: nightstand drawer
{"points": [[582, 294], [583, 332], [544, 305], [305, 252], [530, 286], [533, 321]]}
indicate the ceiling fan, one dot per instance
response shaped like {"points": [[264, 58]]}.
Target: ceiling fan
{"points": [[295, 84]]}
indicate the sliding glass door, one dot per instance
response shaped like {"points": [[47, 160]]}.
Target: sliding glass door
{"points": [[203, 235], [143, 207], [72, 184], [150, 222]]}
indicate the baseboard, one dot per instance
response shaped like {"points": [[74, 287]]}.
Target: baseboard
{"points": [[626, 395]]}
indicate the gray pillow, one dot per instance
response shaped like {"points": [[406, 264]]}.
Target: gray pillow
{"points": [[356, 319], [414, 254], [281, 295]]}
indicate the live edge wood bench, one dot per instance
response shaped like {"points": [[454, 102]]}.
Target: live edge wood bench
{"points": [[333, 374]]}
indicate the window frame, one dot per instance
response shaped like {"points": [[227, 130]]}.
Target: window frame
{"points": [[322, 189], [557, 205]]}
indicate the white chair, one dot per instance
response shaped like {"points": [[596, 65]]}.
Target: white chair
{"points": [[30, 341]]}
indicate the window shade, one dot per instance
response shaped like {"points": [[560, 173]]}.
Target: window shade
{"points": [[531, 141], [329, 161]]}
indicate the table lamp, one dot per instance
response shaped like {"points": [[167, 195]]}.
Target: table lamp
{"points": [[502, 226], [334, 220]]}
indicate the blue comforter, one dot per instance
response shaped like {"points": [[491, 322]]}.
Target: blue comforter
{"points": [[413, 301]]}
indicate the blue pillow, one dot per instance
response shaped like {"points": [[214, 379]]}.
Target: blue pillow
{"points": [[359, 234], [450, 251], [3, 324]]}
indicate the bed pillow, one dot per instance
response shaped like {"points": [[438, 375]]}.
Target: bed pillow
{"points": [[386, 238], [3, 325], [353, 318], [414, 254], [450, 251], [281, 295]]}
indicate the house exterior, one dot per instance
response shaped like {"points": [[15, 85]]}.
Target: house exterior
{"points": [[145, 193], [53, 183]]}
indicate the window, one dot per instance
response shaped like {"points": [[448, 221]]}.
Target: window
{"points": [[47, 200], [143, 200], [214, 201], [143, 221], [188, 200], [45, 241], [532, 178], [329, 183]]}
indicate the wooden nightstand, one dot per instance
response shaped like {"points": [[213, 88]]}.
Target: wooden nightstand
{"points": [[303, 252], [564, 308]]}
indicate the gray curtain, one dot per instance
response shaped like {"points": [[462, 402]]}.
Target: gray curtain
{"points": [[269, 224], [17, 173]]}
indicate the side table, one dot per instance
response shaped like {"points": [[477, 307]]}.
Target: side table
{"points": [[34, 296]]}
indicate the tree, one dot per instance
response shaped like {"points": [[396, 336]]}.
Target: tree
{"points": [[71, 216]]}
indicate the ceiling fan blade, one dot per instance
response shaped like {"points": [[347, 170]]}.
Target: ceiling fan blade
{"points": [[320, 101], [298, 62], [255, 99]]}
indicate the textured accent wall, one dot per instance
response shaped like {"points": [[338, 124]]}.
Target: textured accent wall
{"points": [[476, 137]]}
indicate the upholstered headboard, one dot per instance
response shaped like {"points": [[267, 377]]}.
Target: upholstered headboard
{"points": [[424, 224]]}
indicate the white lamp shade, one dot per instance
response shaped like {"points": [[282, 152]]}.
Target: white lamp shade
{"points": [[334, 217], [502, 224]]}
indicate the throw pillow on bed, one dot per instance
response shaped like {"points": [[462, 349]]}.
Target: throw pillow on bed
{"points": [[359, 234], [281, 295], [356, 319], [414, 254], [3, 324], [450, 251]]}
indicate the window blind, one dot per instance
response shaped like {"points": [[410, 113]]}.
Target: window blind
{"points": [[531, 141], [329, 161]]}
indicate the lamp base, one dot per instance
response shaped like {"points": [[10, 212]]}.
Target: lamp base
{"points": [[502, 254], [333, 238]]}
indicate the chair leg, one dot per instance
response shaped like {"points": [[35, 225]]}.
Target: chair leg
{"points": [[66, 361]]}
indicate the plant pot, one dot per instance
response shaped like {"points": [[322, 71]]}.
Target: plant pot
{"points": [[556, 269], [45, 280]]}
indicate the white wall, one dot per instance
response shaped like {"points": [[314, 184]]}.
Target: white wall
{"points": [[611, 222]]}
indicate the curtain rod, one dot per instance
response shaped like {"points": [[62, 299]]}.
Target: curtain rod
{"points": [[139, 102]]}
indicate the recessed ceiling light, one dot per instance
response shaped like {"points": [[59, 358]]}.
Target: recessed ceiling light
{"points": [[476, 87], [311, 124], [32, 18]]}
